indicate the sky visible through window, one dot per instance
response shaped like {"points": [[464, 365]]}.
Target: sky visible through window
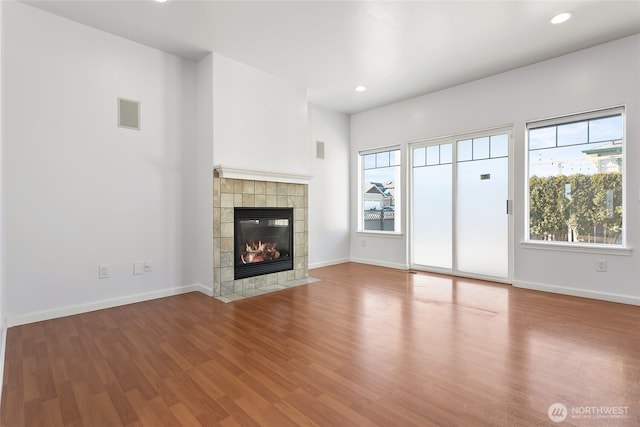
{"points": [[381, 167], [380, 175], [559, 149]]}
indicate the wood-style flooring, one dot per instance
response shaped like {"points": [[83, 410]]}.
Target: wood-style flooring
{"points": [[365, 346]]}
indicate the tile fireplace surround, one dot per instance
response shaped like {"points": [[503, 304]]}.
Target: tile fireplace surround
{"points": [[229, 193]]}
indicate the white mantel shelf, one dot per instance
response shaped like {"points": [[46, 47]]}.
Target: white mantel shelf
{"points": [[224, 172]]}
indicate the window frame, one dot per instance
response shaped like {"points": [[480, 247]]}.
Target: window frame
{"points": [[556, 245], [397, 231]]}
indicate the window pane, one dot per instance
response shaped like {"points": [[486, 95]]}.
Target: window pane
{"points": [[481, 148], [379, 199], [542, 138], [382, 159], [433, 155], [369, 161], [482, 227], [575, 189], [433, 217], [465, 150], [606, 129], [380, 188], [418, 157], [394, 158], [499, 146], [446, 155], [572, 133]]}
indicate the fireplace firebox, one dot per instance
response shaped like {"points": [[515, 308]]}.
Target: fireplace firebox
{"points": [[263, 241]]}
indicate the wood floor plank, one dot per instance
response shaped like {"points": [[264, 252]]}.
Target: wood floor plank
{"points": [[88, 412], [184, 415], [364, 346], [194, 397], [68, 405], [151, 413], [236, 414], [33, 415], [51, 413], [121, 404], [295, 414]]}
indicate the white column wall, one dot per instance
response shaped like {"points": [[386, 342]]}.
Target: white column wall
{"points": [[328, 194], [204, 174], [3, 328]]}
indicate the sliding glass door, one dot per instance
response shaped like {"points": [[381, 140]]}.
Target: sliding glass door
{"points": [[460, 219]]}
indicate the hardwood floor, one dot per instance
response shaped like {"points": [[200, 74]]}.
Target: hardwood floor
{"points": [[366, 346]]}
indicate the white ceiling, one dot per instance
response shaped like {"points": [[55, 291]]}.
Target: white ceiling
{"points": [[398, 49]]}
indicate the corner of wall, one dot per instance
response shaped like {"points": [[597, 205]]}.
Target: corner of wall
{"points": [[329, 189], [204, 166], [3, 329]]}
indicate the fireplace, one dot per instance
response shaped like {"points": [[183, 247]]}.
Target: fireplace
{"points": [[263, 241], [230, 194]]}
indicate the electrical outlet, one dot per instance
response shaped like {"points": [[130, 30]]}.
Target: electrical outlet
{"points": [[103, 271], [601, 265], [147, 266], [364, 243], [138, 267]]}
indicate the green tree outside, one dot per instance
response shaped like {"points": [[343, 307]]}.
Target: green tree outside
{"points": [[576, 208]]}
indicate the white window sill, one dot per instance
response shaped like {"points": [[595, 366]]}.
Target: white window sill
{"points": [[577, 247], [389, 234]]}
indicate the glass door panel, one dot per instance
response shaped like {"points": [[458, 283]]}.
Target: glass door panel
{"points": [[432, 206], [482, 223]]}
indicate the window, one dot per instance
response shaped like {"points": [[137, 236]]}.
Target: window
{"points": [[576, 179], [380, 191]]}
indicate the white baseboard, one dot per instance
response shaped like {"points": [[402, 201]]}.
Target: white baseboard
{"points": [[199, 287], [380, 263], [584, 293], [99, 305], [328, 263]]}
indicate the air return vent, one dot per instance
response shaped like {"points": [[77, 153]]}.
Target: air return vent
{"points": [[319, 150], [128, 113]]}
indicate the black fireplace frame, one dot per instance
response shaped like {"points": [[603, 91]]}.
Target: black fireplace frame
{"points": [[243, 271]]}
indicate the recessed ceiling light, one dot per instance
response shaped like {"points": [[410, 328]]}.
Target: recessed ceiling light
{"points": [[561, 17], [360, 88], [161, 1]]}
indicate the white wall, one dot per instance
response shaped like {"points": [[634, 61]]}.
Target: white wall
{"points": [[79, 191], [328, 195], [260, 120], [599, 77], [188, 148], [205, 173], [3, 328]]}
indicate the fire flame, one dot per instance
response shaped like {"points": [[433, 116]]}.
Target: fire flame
{"points": [[259, 252]]}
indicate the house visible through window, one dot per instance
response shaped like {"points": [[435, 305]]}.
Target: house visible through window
{"points": [[576, 179], [380, 187]]}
